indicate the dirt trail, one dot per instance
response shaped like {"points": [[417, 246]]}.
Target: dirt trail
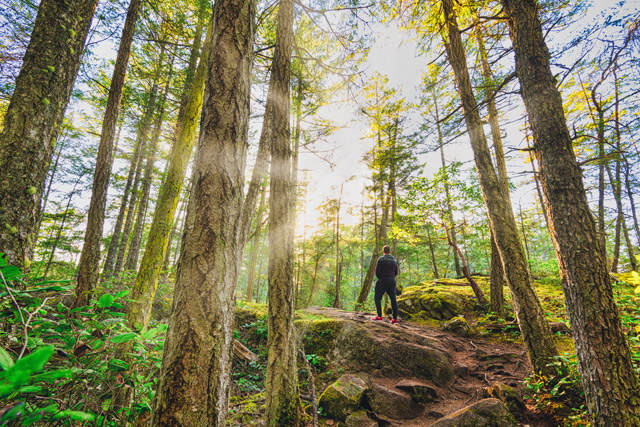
{"points": [[478, 363]]}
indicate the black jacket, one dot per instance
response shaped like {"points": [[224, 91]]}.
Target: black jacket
{"points": [[387, 266]]}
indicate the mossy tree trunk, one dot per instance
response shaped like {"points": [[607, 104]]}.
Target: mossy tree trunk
{"points": [[193, 388], [89, 264], [34, 117], [146, 284], [611, 386], [282, 400], [535, 329]]}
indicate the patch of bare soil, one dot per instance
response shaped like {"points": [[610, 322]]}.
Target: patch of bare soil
{"points": [[478, 363]]}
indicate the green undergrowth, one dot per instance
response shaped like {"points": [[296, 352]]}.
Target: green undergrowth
{"points": [[66, 368]]}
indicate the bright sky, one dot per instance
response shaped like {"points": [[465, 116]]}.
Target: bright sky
{"points": [[394, 54]]}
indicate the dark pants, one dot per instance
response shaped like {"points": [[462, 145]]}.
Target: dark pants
{"points": [[386, 285]]}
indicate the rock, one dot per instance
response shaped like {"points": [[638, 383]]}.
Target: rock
{"points": [[345, 395], [394, 355], [360, 419], [485, 413], [428, 302], [391, 403], [509, 396], [419, 392], [458, 326]]}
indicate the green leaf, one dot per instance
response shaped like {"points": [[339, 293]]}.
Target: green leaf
{"points": [[106, 300], [30, 389], [123, 293], [53, 375], [5, 360], [150, 334], [74, 415], [123, 337], [31, 363]]}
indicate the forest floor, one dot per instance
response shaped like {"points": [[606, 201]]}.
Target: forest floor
{"points": [[479, 363]]}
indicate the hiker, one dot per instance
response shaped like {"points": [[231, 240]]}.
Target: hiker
{"points": [[386, 272]]}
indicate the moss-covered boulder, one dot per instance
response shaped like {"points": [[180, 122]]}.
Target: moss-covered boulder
{"points": [[344, 396], [370, 346], [319, 335], [392, 403], [423, 302], [458, 326], [360, 419], [485, 413]]}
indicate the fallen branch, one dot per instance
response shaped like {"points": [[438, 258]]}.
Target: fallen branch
{"points": [[243, 353]]}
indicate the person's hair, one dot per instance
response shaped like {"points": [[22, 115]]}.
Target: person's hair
{"points": [[386, 249]]}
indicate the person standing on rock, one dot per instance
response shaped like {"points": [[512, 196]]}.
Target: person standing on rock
{"points": [[386, 272]]}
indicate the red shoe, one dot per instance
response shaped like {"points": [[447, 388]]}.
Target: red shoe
{"points": [[394, 321], [377, 318]]}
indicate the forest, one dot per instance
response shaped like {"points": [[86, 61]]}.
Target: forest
{"points": [[195, 197]]}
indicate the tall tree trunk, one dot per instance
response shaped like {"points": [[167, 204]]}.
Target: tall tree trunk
{"points": [[142, 140], [433, 253], [89, 264], [131, 208], [193, 388], [110, 261], [136, 239], [174, 230], [282, 401], [449, 220], [535, 329], [611, 386], [381, 236], [33, 119], [253, 257], [146, 284], [497, 281]]}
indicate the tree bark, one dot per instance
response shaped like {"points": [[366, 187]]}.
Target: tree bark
{"points": [[535, 329], [33, 119], [193, 388], [611, 386], [433, 253], [282, 401], [89, 264]]}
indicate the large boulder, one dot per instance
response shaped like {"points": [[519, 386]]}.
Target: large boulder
{"points": [[485, 413], [344, 396], [424, 302], [365, 346], [392, 404]]}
